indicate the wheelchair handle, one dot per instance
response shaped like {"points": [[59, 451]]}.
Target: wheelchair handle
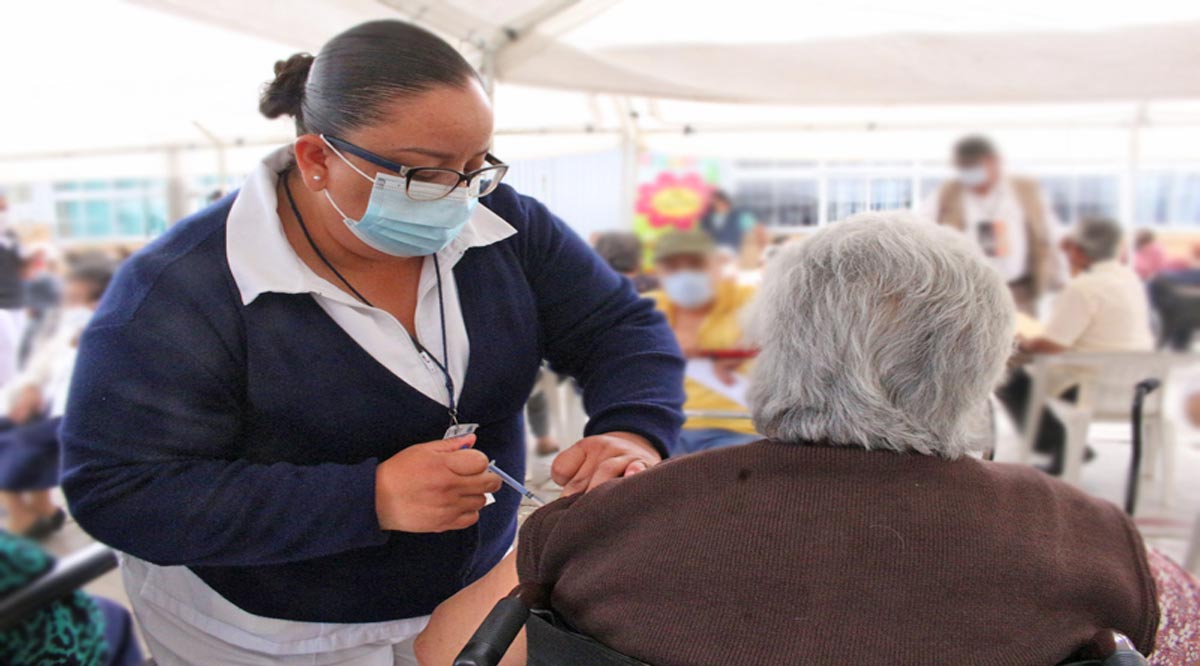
{"points": [[489, 643]]}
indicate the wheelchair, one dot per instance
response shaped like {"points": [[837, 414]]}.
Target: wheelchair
{"points": [[552, 642]]}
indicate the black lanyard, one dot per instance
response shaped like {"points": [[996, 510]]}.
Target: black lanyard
{"points": [[444, 364]]}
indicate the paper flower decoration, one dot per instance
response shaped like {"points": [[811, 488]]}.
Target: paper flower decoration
{"points": [[673, 200]]}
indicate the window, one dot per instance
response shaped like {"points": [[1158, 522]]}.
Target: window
{"points": [[845, 196], [797, 203], [891, 193], [789, 202], [1165, 197], [107, 209], [1057, 191]]}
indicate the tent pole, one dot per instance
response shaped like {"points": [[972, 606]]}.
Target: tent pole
{"points": [[629, 158], [1129, 182]]}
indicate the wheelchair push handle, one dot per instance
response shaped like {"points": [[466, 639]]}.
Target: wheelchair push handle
{"points": [[489, 643]]}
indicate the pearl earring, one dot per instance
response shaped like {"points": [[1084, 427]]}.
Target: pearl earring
{"points": [[316, 178]]}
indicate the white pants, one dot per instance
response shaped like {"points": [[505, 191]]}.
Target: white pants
{"points": [[12, 326], [186, 623]]}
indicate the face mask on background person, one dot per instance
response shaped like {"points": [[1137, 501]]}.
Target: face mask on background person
{"points": [[401, 226], [972, 176], [688, 289]]}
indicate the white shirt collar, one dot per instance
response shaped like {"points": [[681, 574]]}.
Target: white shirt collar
{"points": [[261, 259]]}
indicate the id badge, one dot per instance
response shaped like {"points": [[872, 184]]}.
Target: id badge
{"points": [[460, 430]]}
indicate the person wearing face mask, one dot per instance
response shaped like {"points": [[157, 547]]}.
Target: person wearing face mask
{"points": [[285, 410], [1007, 216], [704, 307], [36, 400]]}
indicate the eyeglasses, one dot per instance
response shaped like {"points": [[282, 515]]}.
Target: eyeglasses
{"points": [[433, 183]]}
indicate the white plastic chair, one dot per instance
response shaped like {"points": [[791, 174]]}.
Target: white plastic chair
{"points": [[1105, 383]]}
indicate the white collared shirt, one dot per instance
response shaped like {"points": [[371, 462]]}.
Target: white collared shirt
{"points": [[262, 260], [1103, 309]]}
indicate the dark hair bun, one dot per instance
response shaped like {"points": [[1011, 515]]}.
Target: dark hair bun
{"points": [[283, 96]]}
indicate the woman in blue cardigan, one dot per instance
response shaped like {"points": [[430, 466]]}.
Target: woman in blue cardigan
{"points": [[264, 407]]}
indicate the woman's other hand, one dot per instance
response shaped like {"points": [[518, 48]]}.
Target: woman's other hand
{"points": [[433, 487], [600, 458]]}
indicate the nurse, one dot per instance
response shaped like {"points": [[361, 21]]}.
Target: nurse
{"points": [[262, 411]]}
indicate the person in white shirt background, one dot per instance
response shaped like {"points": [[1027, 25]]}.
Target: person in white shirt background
{"points": [[1104, 308], [1006, 215], [36, 400]]}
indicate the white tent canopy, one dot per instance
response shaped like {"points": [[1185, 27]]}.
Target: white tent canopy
{"points": [[98, 76], [763, 51]]}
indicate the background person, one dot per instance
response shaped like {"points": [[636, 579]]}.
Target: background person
{"points": [[860, 531], [12, 301], [733, 228], [622, 250], [1007, 216], [264, 409], [1150, 257], [77, 630], [704, 309], [37, 399], [1104, 308], [42, 297]]}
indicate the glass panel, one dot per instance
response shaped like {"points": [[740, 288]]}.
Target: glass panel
{"points": [[1097, 196], [156, 216], [758, 198], [797, 204], [131, 217], [891, 193], [1057, 190], [97, 219], [846, 196], [1168, 198]]}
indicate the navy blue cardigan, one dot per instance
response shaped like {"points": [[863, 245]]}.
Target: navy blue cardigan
{"points": [[242, 441]]}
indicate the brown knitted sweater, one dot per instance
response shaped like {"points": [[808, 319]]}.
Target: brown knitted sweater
{"points": [[799, 553]]}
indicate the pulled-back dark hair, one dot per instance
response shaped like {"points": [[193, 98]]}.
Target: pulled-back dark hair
{"points": [[357, 72]]}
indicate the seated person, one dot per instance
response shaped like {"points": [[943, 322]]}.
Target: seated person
{"points": [[36, 399], [861, 531], [703, 309], [77, 630], [622, 251], [1102, 309], [1175, 296]]}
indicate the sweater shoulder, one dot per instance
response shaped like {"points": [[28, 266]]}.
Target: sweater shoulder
{"points": [[186, 266]]}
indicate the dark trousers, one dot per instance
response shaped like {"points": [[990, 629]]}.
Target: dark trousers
{"points": [[1052, 437], [123, 649]]}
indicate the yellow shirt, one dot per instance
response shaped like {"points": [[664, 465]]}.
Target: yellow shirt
{"points": [[721, 329]]}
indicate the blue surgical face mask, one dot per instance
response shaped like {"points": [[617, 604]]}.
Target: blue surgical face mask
{"points": [[972, 176], [401, 226], [688, 289]]}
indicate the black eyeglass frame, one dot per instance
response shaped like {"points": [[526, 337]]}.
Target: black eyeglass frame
{"points": [[494, 165]]}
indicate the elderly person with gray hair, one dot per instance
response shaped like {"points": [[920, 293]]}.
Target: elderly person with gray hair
{"points": [[860, 531], [1104, 308]]}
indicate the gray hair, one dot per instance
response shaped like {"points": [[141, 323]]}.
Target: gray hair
{"points": [[1098, 238], [882, 331]]}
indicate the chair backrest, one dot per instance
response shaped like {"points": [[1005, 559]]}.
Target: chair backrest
{"points": [[1106, 380]]}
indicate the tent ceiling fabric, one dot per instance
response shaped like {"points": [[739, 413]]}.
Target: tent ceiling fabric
{"points": [[942, 65], [1150, 62]]}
